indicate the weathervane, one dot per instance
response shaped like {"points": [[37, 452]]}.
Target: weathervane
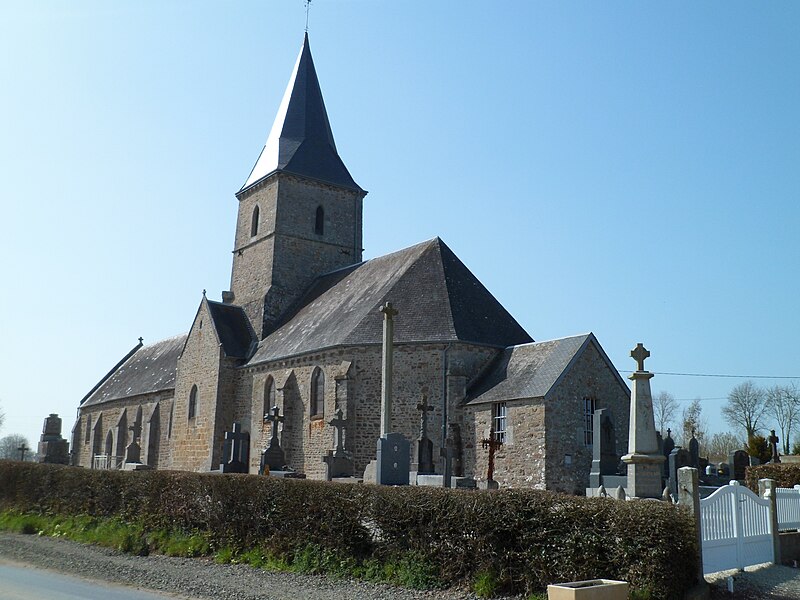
{"points": [[308, 8]]}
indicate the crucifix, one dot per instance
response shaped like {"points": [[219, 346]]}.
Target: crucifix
{"points": [[492, 443], [22, 450], [274, 419], [425, 408], [639, 354], [389, 312], [136, 431], [338, 422]]}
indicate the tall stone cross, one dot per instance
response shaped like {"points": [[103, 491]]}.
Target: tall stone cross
{"points": [[389, 312], [22, 450], [425, 408], [493, 444], [339, 423], [639, 354], [274, 418]]}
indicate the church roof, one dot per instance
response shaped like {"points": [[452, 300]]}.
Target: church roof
{"points": [[149, 369], [233, 327], [438, 299], [301, 140], [528, 371]]}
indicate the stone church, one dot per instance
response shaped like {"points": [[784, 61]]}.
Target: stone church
{"points": [[300, 329]]}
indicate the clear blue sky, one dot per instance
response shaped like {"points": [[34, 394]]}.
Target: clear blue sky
{"points": [[626, 168]]}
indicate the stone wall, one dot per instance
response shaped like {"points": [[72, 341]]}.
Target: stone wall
{"points": [[589, 376], [353, 383], [194, 440]]}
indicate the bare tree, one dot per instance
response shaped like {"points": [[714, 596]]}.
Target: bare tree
{"points": [[783, 404], [722, 444], [664, 408], [10, 445], [745, 408], [692, 421]]}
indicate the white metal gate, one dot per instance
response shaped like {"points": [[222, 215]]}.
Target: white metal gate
{"points": [[736, 528], [788, 508]]}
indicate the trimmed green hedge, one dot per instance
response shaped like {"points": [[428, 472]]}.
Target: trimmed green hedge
{"points": [[523, 538], [786, 475]]}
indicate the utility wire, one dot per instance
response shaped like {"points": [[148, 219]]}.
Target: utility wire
{"points": [[719, 375]]}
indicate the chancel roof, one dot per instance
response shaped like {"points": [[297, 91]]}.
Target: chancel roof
{"points": [[527, 371], [146, 370], [301, 140], [438, 299]]}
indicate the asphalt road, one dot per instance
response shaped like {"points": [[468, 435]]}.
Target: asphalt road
{"points": [[21, 582]]}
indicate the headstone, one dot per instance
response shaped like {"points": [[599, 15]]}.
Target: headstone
{"points": [[723, 469], [52, 447], [492, 443], [678, 458], [454, 443], [424, 444], [339, 462], [712, 470], [754, 461], [393, 464], [773, 443], [669, 446], [133, 452], [273, 458], [694, 452], [645, 463], [604, 455], [236, 450], [738, 462]]}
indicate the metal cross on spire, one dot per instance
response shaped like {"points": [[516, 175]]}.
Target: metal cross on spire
{"points": [[308, 8], [639, 354]]}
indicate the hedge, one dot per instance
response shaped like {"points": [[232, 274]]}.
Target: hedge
{"points": [[786, 475], [524, 538]]}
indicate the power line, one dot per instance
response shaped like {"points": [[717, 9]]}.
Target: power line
{"points": [[719, 375]]}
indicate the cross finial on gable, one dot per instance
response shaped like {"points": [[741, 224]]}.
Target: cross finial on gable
{"points": [[639, 354]]}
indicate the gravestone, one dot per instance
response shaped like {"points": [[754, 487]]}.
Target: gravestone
{"points": [[604, 456], [455, 446], [678, 458], [133, 452], [236, 451], [724, 469], [694, 452], [273, 458], [339, 462], [393, 464], [669, 446], [773, 444], [738, 461], [52, 447], [424, 444], [754, 461]]}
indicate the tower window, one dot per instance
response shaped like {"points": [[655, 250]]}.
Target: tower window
{"points": [[193, 403], [319, 222], [317, 393], [254, 222]]}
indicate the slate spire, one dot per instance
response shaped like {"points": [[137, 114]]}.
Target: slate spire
{"points": [[301, 141]]}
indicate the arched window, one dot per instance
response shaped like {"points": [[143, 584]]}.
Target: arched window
{"points": [[317, 393], [193, 402], [269, 396], [254, 222], [319, 222]]}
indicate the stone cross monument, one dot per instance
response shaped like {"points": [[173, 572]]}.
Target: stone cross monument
{"points": [[394, 457], [644, 459], [273, 458], [424, 444], [387, 367]]}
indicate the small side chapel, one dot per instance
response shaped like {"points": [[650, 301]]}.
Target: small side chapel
{"points": [[301, 329]]}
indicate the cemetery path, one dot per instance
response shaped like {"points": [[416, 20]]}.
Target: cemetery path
{"points": [[767, 582], [195, 578]]}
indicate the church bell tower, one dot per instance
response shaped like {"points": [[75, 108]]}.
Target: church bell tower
{"points": [[300, 211]]}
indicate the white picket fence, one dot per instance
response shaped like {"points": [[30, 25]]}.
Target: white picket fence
{"points": [[788, 508], [736, 527]]}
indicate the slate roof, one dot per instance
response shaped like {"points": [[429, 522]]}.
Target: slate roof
{"points": [[527, 371], [438, 299], [234, 330], [301, 140], [149, 369]]}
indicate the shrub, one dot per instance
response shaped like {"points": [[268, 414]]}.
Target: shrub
{"points": [[415, 536], [786, 475]]}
